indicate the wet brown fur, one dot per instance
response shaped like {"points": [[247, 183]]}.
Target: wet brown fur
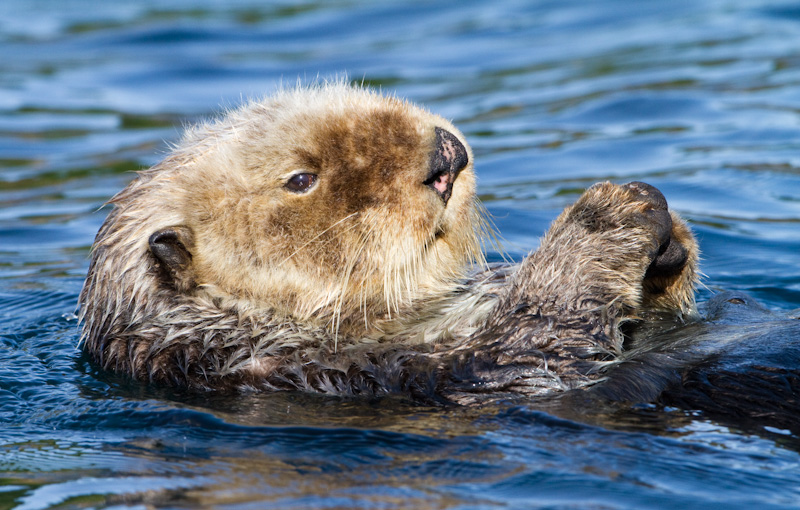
{"points": [[369, 283]]}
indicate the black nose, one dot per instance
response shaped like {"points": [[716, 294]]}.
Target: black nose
{"points": [[448, 158]]}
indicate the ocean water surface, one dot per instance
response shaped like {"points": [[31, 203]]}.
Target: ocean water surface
{"points": [[701, 99]]}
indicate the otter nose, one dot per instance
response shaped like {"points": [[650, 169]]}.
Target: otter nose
{"points": [[448, 158]]}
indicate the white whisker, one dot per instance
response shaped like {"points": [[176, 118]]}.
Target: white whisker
{"points": [[316, 237]]}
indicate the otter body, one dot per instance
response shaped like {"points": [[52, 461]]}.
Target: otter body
{"points": [[329, 239]]}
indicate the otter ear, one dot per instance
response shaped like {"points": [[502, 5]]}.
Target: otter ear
{"points": [[172, 248]]}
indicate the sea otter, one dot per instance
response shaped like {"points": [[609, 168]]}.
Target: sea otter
{"points": [[329, 239]]}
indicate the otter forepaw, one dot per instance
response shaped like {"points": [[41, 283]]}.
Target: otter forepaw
{"points": [[656, 212], [671, 255], [620, 243], [633, 218], [670, 279]]}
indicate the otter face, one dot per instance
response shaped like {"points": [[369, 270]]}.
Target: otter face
{"points": [[330, 203]]}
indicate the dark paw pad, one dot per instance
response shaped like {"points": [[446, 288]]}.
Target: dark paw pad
{"points": [[670, 260]]}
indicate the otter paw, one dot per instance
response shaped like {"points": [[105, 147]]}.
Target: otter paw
{"points": [[670, 279], [655, 210], [638, 237], [622, 213], [671, 255]]}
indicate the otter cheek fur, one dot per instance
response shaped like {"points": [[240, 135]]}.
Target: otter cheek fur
{"points": [[329, 239]]}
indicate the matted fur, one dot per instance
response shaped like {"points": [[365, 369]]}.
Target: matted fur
{"points": [[370, 282]]}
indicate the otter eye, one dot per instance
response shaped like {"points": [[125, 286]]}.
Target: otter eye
{"points": [[300, 183]]}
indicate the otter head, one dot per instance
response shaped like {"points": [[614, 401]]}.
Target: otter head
{"points": [[331, 204]]}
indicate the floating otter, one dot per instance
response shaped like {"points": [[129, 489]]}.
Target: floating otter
{"points": [[329, 239]]}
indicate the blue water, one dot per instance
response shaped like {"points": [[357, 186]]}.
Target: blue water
{"points": [[700, 98]]}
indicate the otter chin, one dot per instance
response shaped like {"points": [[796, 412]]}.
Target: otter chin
{"points": [[329, 239]]}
